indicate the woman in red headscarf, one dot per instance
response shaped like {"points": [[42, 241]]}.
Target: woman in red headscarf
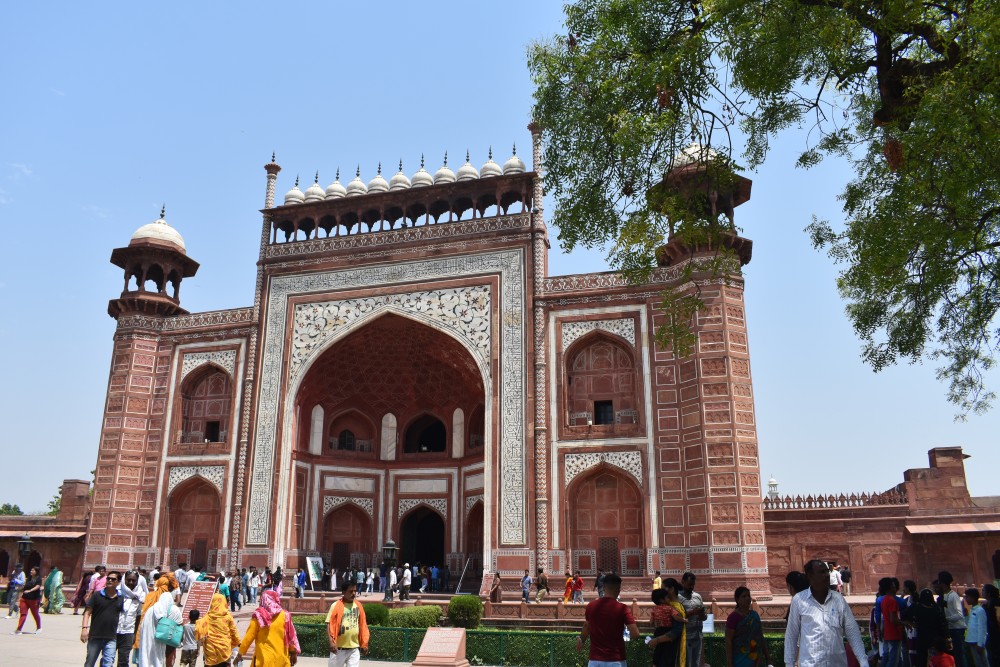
{"points": [[272, 631]]}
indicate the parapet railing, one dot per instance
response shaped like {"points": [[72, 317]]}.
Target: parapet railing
{"points": [[892, 497]]}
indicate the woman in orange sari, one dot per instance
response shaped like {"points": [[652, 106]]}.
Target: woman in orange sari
{"points": [[217, 630], [569, 588]]}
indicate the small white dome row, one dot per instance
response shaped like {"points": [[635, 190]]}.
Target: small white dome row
{"points": [[400, 181]]}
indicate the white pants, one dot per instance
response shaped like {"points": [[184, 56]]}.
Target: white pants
{"points": [[345, 657]]}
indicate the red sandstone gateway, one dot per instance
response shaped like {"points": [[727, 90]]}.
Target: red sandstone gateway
{"points": [[407, 370]]}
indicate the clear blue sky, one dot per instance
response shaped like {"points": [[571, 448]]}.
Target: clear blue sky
{"points": [[111, 109]]}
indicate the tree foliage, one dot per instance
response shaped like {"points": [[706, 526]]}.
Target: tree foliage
{"points": [[54, 505], [10, 510], [905, 90]]}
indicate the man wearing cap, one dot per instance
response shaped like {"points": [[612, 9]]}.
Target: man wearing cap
{"points": [[404, 585]]}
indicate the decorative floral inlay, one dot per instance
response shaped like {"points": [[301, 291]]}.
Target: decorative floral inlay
{"points": [[471, 501], [624, 327], [630, 462], [213, 474], [439, 504], [329, 502], [465, 311], [225, 359], [508, 264]]}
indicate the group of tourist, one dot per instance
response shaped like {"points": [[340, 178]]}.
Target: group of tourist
{"points": [[910, 627], [388, 580], [126, 619]]}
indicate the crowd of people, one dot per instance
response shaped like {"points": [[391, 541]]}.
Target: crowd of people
{"points": [[390, 581], [135, 617]]}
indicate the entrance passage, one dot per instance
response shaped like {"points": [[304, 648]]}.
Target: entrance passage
{"points": [[422, 533]]}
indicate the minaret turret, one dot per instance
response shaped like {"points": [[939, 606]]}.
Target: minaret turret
{"points": [[155, 261]]}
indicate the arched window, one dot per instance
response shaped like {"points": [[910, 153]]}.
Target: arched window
{"points": [[206, 406], [346, 440], [601, 383]]}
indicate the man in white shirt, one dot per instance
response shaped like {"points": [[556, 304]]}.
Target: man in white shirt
{"points": [[180, 574], [835, 580], [132, 596], [954, 613], [390, 583], [404, 585], [818, 621]]}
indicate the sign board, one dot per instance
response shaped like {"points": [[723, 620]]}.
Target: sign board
{"points": [[199, 597], [314, 565], [442, 647]]}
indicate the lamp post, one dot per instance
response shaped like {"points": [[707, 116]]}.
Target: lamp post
{"points": [[388, 560], [24, 549]]}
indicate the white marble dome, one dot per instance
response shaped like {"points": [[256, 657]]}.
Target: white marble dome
{"points": [[159, 230], [444, 174], [692, 154], [294, 196], [491, 168], [514, 165], [336, 190], [378, 184], [314, 192], [399, 181], [357, 187], [467, 172], [422, 178]]}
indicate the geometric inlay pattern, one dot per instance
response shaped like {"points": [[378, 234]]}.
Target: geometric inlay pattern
{"points": [[471, 501], [226, 360], [629, 462], [507, 264], [213, 474], [464, 311], [329, 502], [624, 327], [439, 504]]}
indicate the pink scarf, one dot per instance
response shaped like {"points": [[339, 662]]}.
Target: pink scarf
{"points": [[270, 606]]}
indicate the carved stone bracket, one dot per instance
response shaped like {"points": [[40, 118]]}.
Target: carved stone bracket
{"points": [[628, 462], [224, 359], [215, 475], [331, 502], [440, 505], [623, 327]]}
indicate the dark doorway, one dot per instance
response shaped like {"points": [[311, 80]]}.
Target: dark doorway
{"points": [[199, 554], [423, 537], [426, 434], [5, 566]]}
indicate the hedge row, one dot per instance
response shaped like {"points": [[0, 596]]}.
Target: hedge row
{"points": [[508, 648]]}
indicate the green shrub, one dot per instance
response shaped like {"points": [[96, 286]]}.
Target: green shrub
{"points": [[464, 611], [376, 614], [424, 616]]}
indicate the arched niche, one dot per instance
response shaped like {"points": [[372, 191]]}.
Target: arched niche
{"points": [[605, 513], [601, 382], [389, 437], [426, 434], [206, 405], [351, 432], [316, 421], [422, 533], [194, 519], [347, 530]]}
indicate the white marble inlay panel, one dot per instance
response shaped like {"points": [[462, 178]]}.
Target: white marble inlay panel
{"points": [[623, 327], [423, 486], [354, 484]]}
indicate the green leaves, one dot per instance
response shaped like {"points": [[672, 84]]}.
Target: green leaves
{"points": [[907, 91]]}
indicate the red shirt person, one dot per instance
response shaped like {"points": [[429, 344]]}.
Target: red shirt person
{"points": [[606, 620]]}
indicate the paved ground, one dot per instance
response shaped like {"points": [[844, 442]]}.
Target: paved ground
{"points": [[59, 643]]}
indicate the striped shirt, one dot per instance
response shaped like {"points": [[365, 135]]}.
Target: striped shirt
{"points": [[815, 632]]}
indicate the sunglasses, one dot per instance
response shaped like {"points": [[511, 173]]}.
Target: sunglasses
{"points": [[112, 578]]}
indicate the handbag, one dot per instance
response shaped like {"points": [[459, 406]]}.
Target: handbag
{"points": [[169, 632]]}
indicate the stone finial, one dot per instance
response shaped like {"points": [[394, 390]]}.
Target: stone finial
{"points": [[163, 211], [316, 180], [490, 154], [379, 172], [421, 160], [446, 158], [338, 174], [296, 180], [400, 165]]}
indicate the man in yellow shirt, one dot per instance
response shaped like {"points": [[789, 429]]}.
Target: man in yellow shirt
{"points": [[657, 581], [347, 629]]}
